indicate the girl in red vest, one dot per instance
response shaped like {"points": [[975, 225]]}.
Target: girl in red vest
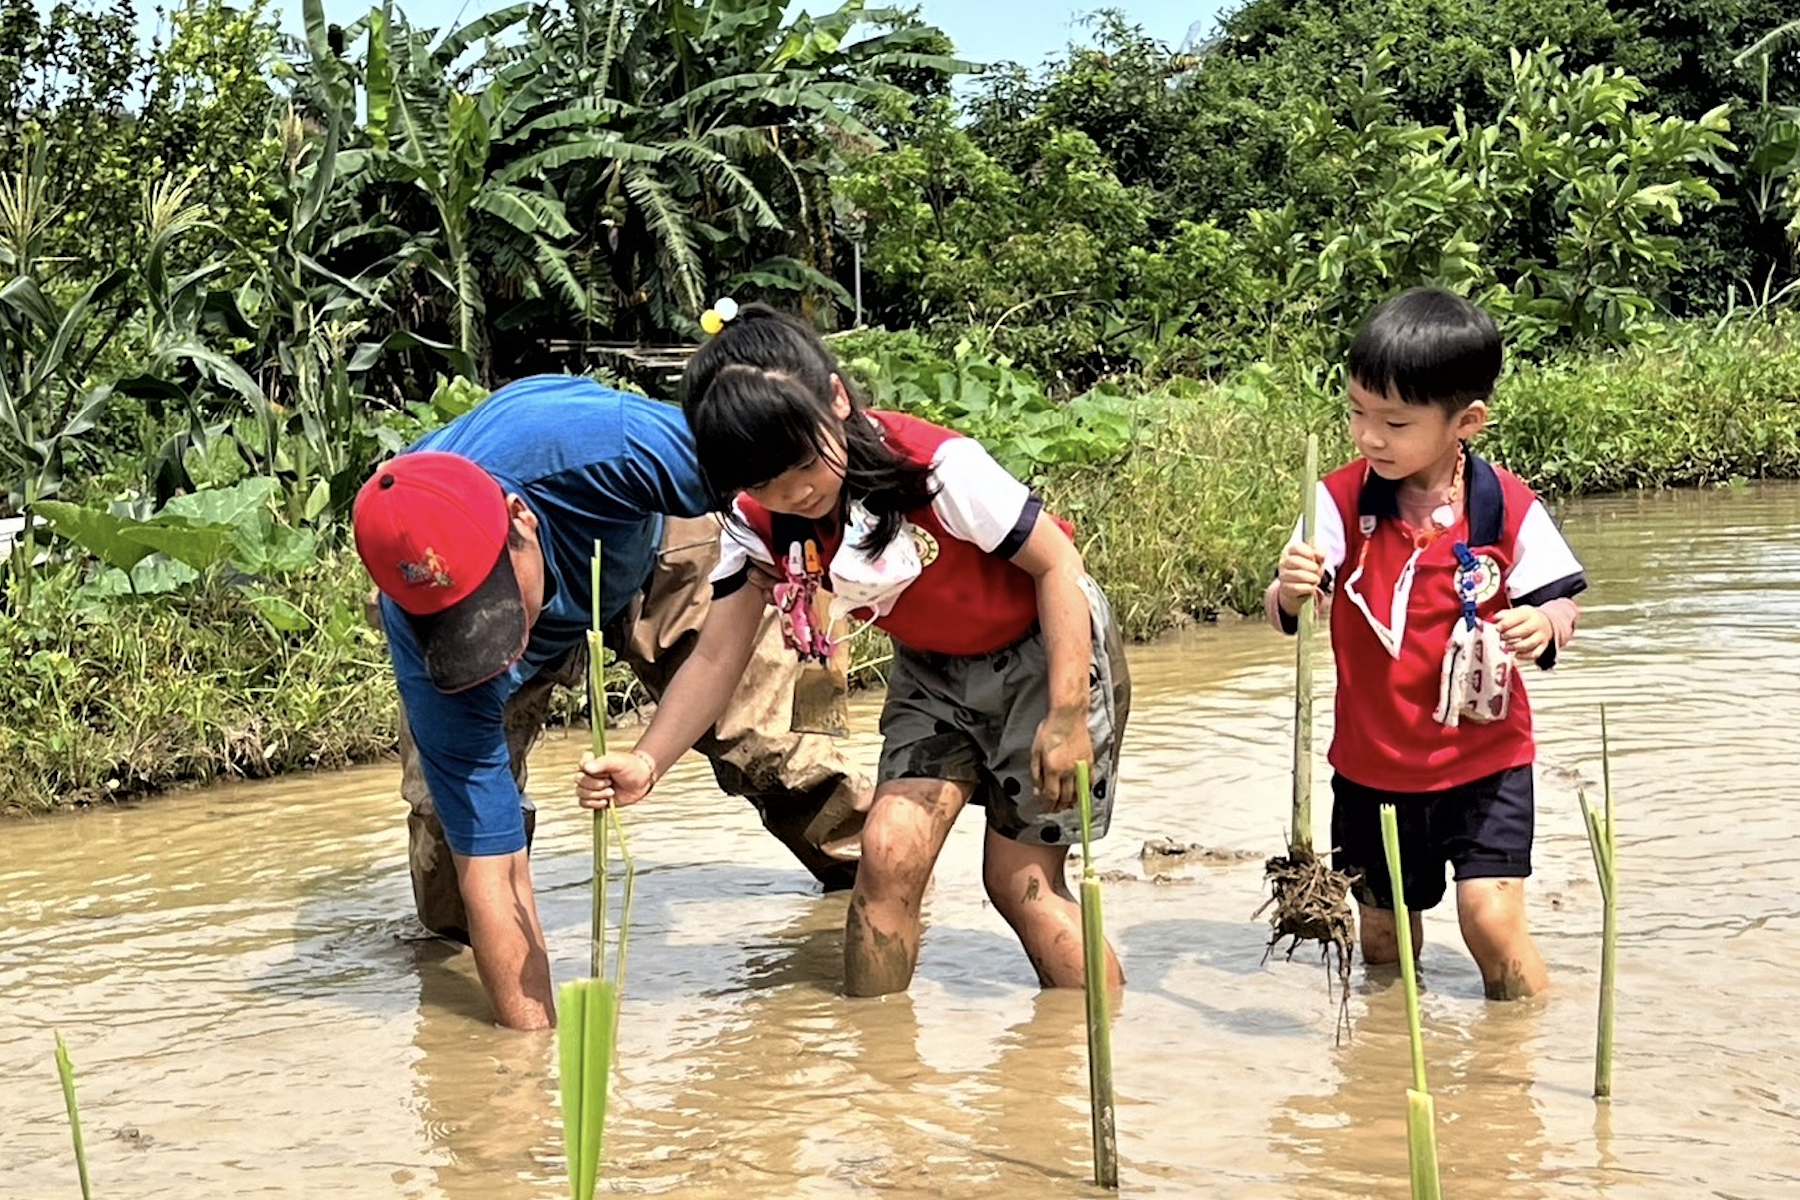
{"points": [[1446, 572], [1008, 668]]}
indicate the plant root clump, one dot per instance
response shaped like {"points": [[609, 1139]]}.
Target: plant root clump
{"points": [[1312, 904]]}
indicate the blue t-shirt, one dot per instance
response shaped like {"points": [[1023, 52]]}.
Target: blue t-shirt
{"points": [[591, 463]]}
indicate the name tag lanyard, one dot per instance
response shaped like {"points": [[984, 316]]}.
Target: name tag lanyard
{"points": [[1393, 631]]}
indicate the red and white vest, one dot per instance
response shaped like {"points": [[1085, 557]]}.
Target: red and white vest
{"points": [[966, 601], [1387, 736]]}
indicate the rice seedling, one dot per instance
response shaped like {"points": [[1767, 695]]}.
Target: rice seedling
{"points": [[1602, 841], [1099, 1018], [1311, 901], [1421, 1113], [587, 1017], [65, 1069]]}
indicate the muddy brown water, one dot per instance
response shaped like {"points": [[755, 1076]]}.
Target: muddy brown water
{"points": [[228, 970]]}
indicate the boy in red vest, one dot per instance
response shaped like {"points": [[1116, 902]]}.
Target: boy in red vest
{"points": [[1447, 573]]}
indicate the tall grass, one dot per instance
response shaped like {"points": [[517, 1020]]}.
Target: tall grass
{"points": [[1188, 525], [1701, 408], [122, 697], [109, 699]]}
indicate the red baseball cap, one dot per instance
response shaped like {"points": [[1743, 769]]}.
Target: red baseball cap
{"points": [[431, 529]]}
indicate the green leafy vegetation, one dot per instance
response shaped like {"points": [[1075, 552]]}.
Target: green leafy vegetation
{"points": [[237, 270]]}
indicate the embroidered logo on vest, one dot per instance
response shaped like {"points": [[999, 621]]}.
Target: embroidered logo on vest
{"points": [[924, 543]]}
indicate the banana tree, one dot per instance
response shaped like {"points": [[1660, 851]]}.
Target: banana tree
{"points": [[756, 111], [446, 154], [1774, 135], [605, 162], [699, 138], [436, 128]]}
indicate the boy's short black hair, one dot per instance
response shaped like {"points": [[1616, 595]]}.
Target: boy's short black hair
{"points": [[1428, 346]]}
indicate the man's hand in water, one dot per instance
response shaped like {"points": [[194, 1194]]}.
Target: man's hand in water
{"points": [[615, 779]]}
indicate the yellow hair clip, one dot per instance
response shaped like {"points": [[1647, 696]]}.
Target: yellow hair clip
{"points": [[714, 319]]}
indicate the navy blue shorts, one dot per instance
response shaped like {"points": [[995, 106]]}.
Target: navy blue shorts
{"points": [[1482, 829]]}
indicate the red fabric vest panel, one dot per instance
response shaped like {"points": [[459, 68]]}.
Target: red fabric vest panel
{"points": [[1387, 735], [965, 600]]}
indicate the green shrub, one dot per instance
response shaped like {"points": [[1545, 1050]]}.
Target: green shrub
{"points": [[1188, 522], [1182, 494], [115, 696]]}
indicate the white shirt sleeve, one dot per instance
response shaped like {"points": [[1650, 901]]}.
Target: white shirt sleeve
{"points": [[1328, 534], [1541, 557], [738, 547], [978, 500]]}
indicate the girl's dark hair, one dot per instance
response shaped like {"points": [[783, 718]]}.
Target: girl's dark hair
{"points": [[758, 397], [1428, 346]]}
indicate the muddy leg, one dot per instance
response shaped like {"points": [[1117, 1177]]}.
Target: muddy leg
{"points": [[437, 897], [1492, 915], [1381, 938], [905, 831], [1029, 886]]}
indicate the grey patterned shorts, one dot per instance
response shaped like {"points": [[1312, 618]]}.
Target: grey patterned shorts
{"points": [[973, 720]]}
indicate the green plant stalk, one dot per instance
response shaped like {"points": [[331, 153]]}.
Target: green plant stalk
{"points": [[1301, 838], [587, 1027], [597, 698], [599, 1038], [1609, 938], [25, 549], [65, 1069], [571, 1022], [628, 890], [1099, 1023], [597, 733], [1421, 1145], [1409, 977], [1602, 842], [587, 1024], [1421, 1127]]}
